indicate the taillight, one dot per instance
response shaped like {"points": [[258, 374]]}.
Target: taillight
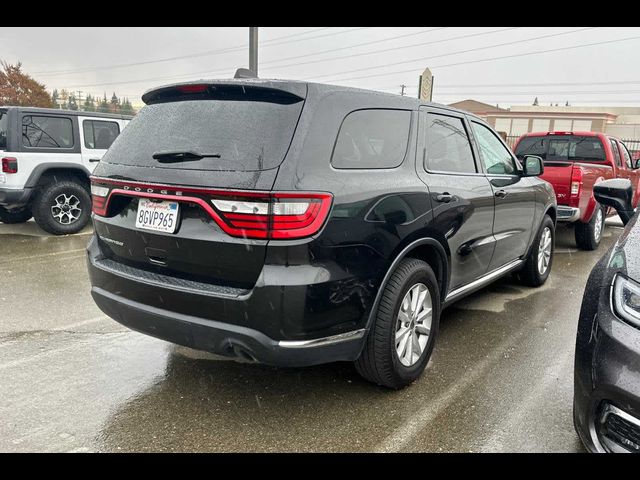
{"points": [[276, 216], [9, 165], [244, 214], [576, 182], [99, 199]]}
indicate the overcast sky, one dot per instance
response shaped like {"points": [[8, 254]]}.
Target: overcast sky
{"points": [[125, 59]]}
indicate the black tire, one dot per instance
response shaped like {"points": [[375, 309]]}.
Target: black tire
{"points": [[530, 274], [46, 198], [379, 362], [586, 233], [18, 215]]}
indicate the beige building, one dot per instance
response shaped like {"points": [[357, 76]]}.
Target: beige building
{"points": [[623, 122]]}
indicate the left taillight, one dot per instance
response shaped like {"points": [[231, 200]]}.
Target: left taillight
{"points": [[99, 194], [9, 165]]}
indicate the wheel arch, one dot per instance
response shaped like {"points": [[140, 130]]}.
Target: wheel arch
{"points": [[43, 174], [427, 249]]}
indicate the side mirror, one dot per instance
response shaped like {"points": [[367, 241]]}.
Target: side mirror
{"points": [[533, 166], [616, 193]]}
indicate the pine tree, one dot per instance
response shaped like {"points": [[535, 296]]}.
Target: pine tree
{"points": [[54, 98], [115, 104], [103, 105], [535, 102], [89, 104]]}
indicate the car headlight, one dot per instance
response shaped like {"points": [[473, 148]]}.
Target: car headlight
{"points": [[626, 299]]}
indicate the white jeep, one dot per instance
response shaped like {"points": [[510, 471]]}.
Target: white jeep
{"points": [[47, 158]]}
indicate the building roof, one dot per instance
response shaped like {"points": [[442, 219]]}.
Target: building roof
{"points": [[476, 107]]}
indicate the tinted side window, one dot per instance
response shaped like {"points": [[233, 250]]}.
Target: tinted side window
{"points": [[99, 134], [626, 155], [496, 157], [447, 145], [47, 132], [372, 139], [616, 152]]}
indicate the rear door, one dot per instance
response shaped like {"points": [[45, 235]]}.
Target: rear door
{"points": [[461, 197], [514, 197], [97, 135]]}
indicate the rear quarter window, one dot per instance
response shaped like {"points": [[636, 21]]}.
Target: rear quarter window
{"points": [[47, 132], [372, 138]]}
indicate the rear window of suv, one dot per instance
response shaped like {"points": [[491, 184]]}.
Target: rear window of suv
{"points": [[230, 134], [562, 148]]}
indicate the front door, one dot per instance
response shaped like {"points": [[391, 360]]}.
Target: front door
{"points": [[514, 197], [461, 197]]}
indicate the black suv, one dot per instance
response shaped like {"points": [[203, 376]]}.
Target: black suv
{"points": [[294, 223]]}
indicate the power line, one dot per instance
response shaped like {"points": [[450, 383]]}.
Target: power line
{"points": [[356, 45], [422, 59], [368, 68], [391, 49], [231, 68], [494, 58], [266, 43]]}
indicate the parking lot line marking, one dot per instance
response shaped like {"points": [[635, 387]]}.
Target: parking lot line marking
{"points": [[19, 259], [22, 361], [81, 323], [408, 430]]}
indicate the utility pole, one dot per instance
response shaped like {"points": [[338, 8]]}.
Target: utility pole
{"points": [[253, 50], [402, 91]]}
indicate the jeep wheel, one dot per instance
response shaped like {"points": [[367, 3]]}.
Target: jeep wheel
{"points": [[18, 215], [588, 235], [401, 339], [62, 208]]}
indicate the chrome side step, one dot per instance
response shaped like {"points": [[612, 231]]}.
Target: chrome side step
{"points": [[482, 281]]}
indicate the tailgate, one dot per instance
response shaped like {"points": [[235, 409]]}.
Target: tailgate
{"points": [[209, 157], [558, 174]]}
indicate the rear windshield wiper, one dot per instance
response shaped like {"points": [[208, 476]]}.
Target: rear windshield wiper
{"points": [[174, 157]]}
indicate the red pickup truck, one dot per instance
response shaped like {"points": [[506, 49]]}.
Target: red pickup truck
{"points": [[573, 163]]}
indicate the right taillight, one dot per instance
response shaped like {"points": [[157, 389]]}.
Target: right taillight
{"points": [[9, 165], [277, 216], [576, 181]]}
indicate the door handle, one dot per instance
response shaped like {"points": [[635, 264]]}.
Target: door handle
{"points": [[94, 159], [501, 193], [444, 197]]}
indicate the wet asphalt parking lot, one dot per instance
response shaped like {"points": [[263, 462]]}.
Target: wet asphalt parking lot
{"points": [[72, 380]]}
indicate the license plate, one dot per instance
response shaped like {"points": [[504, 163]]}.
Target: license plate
{"points": [[157, 216]]}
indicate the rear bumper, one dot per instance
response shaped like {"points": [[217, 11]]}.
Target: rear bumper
{"points": [[568, 214], [14, 198], [281, 321]]}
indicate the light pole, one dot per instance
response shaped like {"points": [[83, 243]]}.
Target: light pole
{"points": [[253, 50]]}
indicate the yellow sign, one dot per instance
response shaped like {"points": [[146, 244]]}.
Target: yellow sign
{"points": [[426, 85]]}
